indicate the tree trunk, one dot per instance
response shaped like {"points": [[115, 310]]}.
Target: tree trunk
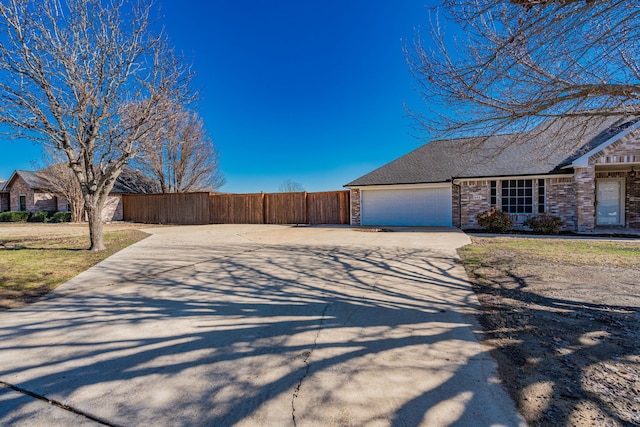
{"points": [[77, 210], [95, 227]]}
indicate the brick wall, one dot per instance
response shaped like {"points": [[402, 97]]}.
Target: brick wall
{"points": [[63, 205], [4, 202], [20, 188], [560, 200], [585, 188], [355, 206], [455, 205], [113, 208], [44, 202], [632, 206], [474, 198]]}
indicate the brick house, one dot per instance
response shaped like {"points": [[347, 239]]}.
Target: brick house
{"points": [[585, 172], [4, 197], [27, 191]]}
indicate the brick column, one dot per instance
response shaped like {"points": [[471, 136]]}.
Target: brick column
{"points": [[632, 202], [455, 205], [355, 206], [585, 188]]}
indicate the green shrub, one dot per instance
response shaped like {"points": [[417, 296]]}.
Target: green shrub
{"points": [[494, 220], [14, 216], [41, 216], [544, 224], [61, 217]]}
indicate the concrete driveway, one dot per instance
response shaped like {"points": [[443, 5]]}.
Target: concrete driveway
{"points": [[257, 326]]}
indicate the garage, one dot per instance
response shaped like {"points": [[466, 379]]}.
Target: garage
{"points": [[408, 206]]}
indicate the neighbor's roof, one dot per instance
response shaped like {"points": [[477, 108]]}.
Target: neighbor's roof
{"points": [[130, 181], [545, 149], [33, 180], [2, 183]]}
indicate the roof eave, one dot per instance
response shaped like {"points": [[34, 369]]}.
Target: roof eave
{"points": [[353, 185]]}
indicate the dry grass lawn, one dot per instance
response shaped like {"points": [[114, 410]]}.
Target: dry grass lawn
{"points": [[36, 258]]}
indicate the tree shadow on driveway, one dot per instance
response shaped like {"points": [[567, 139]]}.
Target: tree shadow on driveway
{"points": [[261, 335]]}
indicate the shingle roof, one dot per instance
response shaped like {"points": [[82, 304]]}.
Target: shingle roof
{"points": [[132, 181], [544, 150], [33, 180], [2, 183], [129, 181]]}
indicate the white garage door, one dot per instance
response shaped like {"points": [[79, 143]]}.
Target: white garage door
{"points": [[407, 207]]}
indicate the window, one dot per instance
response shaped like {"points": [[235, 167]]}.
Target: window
{"points": [[517, 196], [494, 193], [541, 195], [22, 203]]}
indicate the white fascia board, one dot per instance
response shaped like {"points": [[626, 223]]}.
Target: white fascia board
{"points": [[401, 186], [583, 161], [504, 178]]}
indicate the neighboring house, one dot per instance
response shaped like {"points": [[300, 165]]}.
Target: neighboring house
{"points": [[4, 197], [27, 191], [585, 172]]}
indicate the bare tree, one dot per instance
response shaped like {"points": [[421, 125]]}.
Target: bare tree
{"points": [[492, 66], [59, 179], [88, 78], [289, 186], [180, 155]]}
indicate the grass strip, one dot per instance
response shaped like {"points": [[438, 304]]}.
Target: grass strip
{"points": [[29, 268], [576, 252]]}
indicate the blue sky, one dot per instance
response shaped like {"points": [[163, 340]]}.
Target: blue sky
{"points": [[309, 91]]}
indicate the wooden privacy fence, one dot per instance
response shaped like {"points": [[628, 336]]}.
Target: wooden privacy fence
{"points": [[212, 208]]}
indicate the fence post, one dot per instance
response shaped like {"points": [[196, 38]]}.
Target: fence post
{"points": [[306, 208]]}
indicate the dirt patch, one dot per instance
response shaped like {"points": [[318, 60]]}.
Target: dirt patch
{"points": [[561, 317]]}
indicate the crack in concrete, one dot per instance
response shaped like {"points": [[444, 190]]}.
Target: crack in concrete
{"points": [[307, 355], [57, 404]]}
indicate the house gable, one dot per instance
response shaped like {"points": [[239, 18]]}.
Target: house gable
{"points": [[625, 149], [613, 150]]}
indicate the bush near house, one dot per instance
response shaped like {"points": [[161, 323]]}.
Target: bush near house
{"points": [[494, 220], [544, 224], [61, 217], [13, 216], [41, 216]]}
